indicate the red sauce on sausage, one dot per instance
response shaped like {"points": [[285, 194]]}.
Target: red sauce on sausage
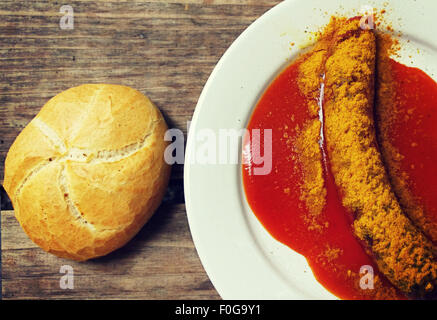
{"points": [[275, 198], [414, 132]]}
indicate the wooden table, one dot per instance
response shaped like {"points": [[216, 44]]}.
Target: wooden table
{"points": [[165, 49]]}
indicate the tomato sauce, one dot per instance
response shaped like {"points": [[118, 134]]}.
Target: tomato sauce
{"points": [[414, 133], [334, 254]]}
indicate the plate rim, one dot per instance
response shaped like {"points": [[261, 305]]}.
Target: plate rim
{"points": [[209, 269], [187, 164]]}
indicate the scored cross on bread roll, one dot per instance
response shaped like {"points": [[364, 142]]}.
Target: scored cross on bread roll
{"points": [[88, 171]]}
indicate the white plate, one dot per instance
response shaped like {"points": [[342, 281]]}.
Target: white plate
{"points": [[242, 260]]}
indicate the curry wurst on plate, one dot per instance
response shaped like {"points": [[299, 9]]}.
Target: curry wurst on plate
{"points": [[401, 251]]}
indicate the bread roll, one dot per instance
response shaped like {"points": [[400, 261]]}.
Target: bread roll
{"points": [[88, 171]]}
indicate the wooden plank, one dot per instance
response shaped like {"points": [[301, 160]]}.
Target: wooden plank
{"points": [[159, 263], [165, 49]]}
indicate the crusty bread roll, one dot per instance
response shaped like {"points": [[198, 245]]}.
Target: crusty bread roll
{"points": [[88, 171]]}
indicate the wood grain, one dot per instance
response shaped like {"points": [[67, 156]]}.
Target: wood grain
{"points": [[165, 49], [159, 263]]}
